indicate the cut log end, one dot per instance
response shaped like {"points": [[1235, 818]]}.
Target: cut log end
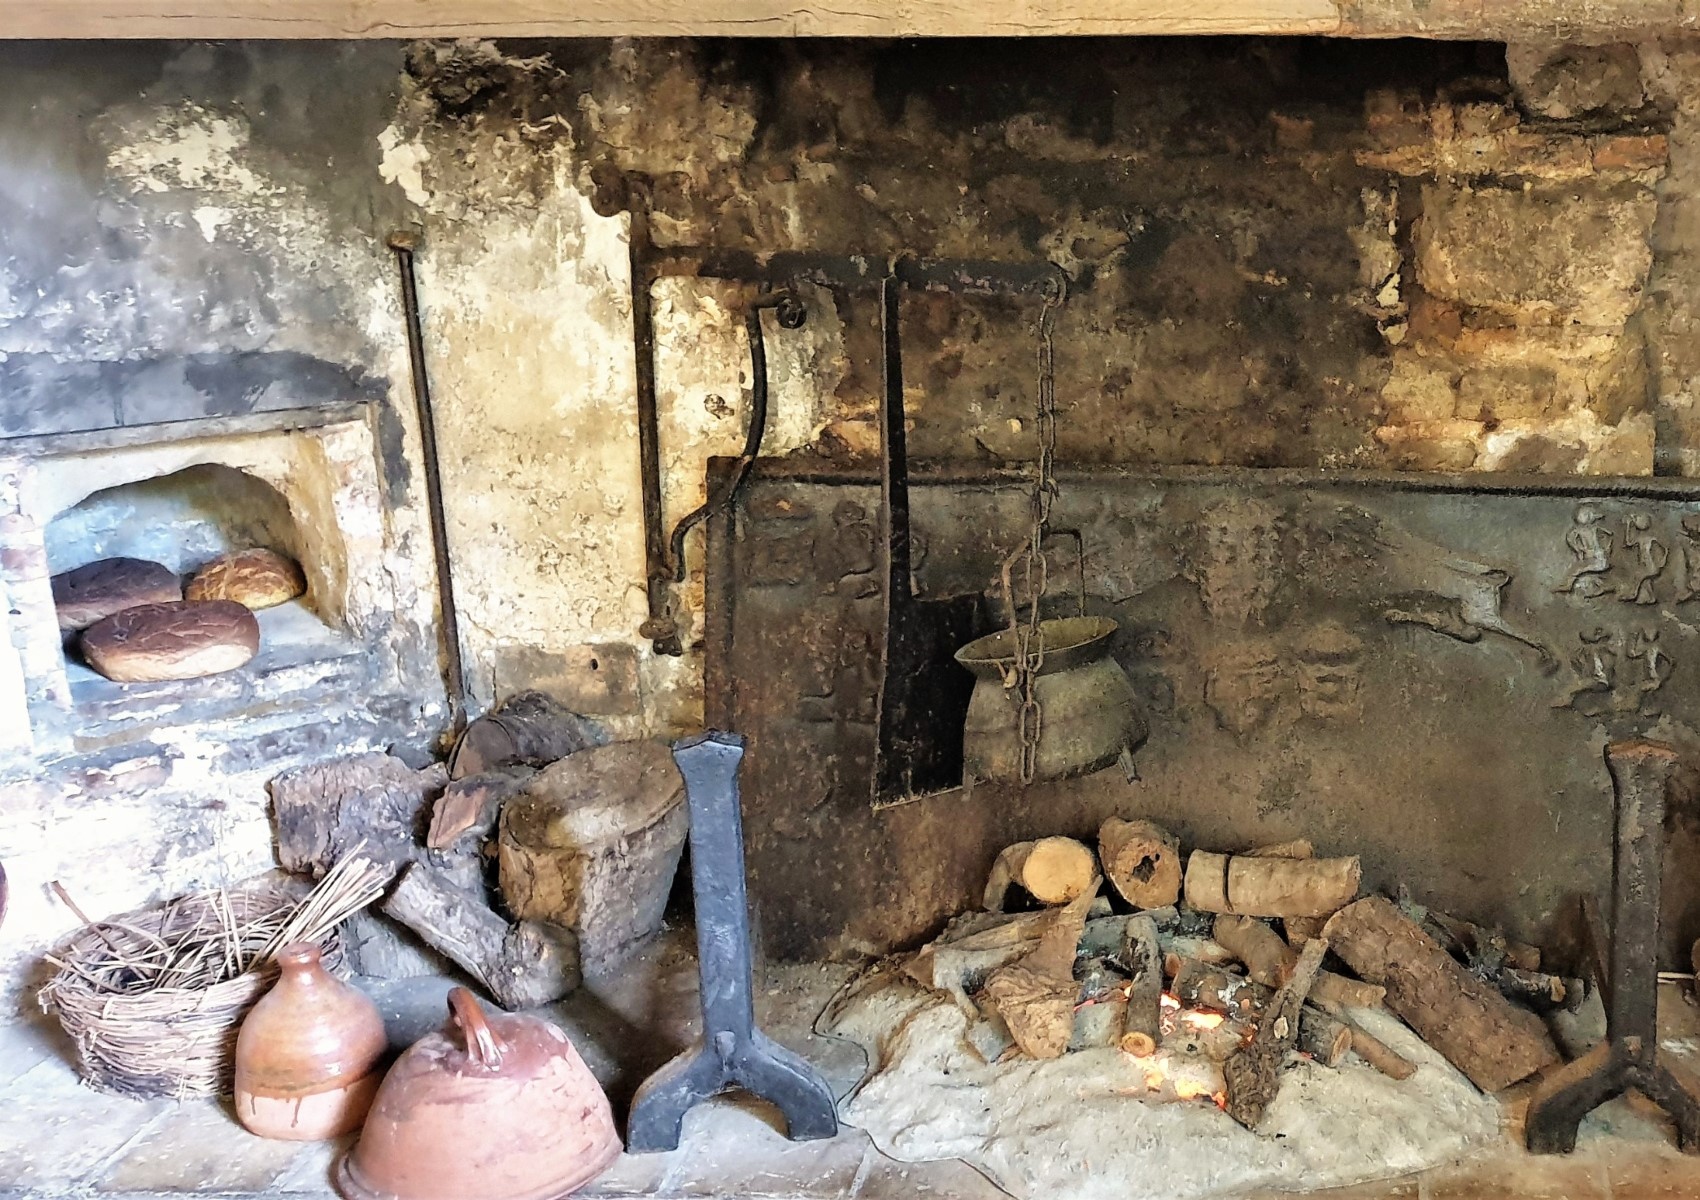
{"points": [[1053, 870], [1058, 870], [1142, 862], [1138, 1044]]}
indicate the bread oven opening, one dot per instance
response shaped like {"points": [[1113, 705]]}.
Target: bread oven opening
{"points": [[187, 581], [190, 522]]}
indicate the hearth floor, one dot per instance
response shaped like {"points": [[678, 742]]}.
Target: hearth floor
{"points": [[59, 1139]]}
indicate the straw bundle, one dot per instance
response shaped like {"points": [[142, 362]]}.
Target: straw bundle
{"points": [[154, 999]]}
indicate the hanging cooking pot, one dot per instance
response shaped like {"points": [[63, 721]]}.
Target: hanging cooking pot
{"points": [[495, 1107], [1089, 716], [1048, 702]]}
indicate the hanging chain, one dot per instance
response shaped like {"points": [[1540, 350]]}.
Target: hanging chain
{"points": [[1029, 643]]}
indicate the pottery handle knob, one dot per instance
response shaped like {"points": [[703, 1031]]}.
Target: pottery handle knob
{"points": [[481, 1041]]}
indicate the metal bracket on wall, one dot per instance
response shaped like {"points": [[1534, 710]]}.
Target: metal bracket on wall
{"points": [[916, 699]]}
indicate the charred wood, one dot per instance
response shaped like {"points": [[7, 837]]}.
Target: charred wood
{"points": [[1253, 1076], [1142, 960], [530, 729]]}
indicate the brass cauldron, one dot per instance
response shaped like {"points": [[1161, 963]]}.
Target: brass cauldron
{"points": [[1089, 713]]}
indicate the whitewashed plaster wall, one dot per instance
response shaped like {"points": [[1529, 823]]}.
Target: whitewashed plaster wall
{"points": [[528, 318]]}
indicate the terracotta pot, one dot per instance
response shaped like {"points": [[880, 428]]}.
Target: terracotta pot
{"points": [[497, 1107], [308, 1053]]}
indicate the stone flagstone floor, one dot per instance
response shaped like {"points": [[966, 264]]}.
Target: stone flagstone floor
{"points": [[59, 1139]]}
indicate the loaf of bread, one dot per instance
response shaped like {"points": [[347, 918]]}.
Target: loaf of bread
{"points": [[255, 578], [182, 640], [96, 590]]}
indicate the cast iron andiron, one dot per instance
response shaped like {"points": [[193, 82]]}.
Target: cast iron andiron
{"points": [[732, 1052], [1629, 1057]]}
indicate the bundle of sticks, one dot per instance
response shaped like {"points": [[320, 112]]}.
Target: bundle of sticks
{"points": [[200, 941]]}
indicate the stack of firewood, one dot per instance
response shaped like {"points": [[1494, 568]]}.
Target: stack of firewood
{"points": [[538, 852], [1275, 939]]}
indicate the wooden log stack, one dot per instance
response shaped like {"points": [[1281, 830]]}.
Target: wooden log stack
{"points": [[1048, 981]]}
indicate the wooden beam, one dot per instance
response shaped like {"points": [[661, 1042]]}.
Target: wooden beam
{"points": [[1575, 20], [655, 18]]}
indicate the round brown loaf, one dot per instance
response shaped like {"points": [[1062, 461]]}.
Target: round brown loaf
{"points": [[255, 578], [183, 640], [96, 590]]}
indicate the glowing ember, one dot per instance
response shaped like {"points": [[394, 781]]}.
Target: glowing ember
{"points": [[1203, 1020], [1169, 1001]]}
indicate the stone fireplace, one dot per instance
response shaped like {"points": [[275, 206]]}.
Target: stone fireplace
{"points": [[1375, 387]]}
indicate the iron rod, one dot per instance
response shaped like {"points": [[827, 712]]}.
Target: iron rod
{"points": [[404, 243]]}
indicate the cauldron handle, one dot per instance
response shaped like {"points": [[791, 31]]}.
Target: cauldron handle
{"points": [[481, 1041], [1079, 575]]}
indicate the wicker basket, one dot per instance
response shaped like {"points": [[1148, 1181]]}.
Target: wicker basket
{"points": [[167, 1041]]}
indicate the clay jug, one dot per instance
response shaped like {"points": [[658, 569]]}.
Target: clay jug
{"points": [[497, 1107], [308, 1053]]}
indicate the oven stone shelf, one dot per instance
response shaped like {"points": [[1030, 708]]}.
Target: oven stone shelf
{"points": [[301, 661]]}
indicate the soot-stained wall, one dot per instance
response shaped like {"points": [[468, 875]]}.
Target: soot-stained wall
{"points": [[1283, 252]]}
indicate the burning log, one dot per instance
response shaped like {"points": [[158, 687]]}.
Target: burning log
{"points": [[1478, 1030], [1142, 862], [1322, 1035], [1253, 1076], [1271, 961], [1201, 985], [1035, 996], [1053, 870], [1255, 886], [1143, 961]]}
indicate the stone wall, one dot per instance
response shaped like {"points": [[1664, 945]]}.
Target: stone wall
{"points": [[1338, 254]]}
